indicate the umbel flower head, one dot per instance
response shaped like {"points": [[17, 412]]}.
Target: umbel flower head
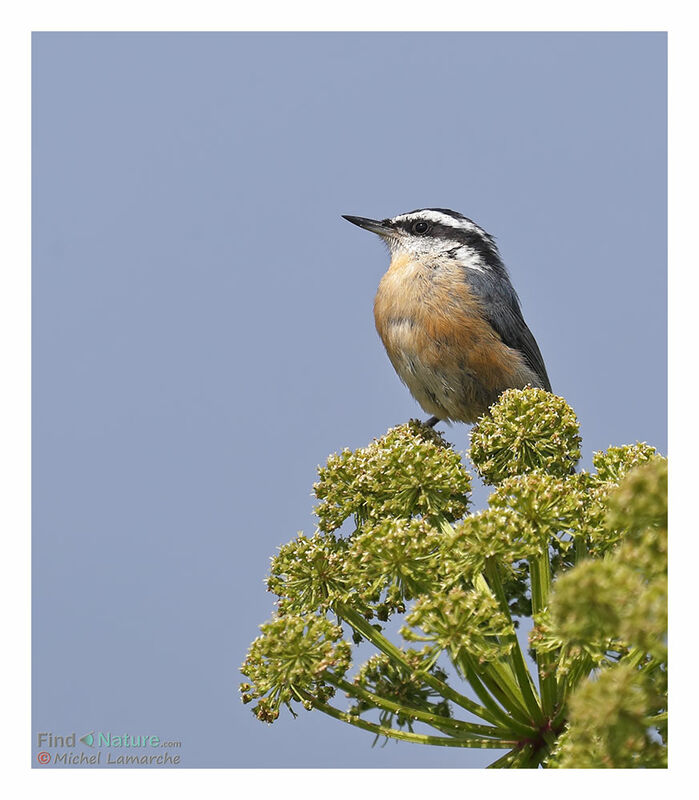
{"points": [[639, 508], [614, 463], [526, 430], [496, 533], [392, 681], [609, 726], [640, 502], [411, 471], [548, 505], [396, 555], [545, 637], [308, 574], [590, 600], [464, 623], [619, 600], [288, 661], [603, 533]]}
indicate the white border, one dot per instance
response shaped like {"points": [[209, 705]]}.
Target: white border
{"points": [[513, 15]]}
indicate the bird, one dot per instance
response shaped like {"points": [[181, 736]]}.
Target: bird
{"points": [[448, 315]]}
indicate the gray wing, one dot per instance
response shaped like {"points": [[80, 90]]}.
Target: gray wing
{"points": [[513, 330], [500, 306]]}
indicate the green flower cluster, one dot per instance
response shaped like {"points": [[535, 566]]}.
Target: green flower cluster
{"points": [[377, 569], [614, 463], [497, 533], [640, 508], [393, 560], [411, 471], [583, 553], [611, 465], [527, 429], [549, 507], [287, 662], [610, 727], [618, 603], [308, 574], [573, 657], [640, 505], [589, 601], [382, 677], [465, 624]]}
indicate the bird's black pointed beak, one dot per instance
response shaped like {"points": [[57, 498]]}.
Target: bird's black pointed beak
{"points": [[373, 225]]}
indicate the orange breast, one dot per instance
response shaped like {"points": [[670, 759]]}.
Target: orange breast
{"points": [[431, 314]]}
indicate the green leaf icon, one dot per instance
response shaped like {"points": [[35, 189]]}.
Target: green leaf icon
{"points": [[88, 739]]}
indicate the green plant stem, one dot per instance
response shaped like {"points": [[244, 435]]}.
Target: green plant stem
{"points": [[536, 756], [568, 683], [499, 681], [406, 736], [504, 684], [521, 727], [634, 657], [540, 572], [522, 759], [492, 713], [443, 524], [367, 630], [651, 664], [522, 674], [504, 761], [580, 548], [437, 721]]}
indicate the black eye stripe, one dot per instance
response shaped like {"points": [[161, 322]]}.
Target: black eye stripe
{"points": [[435, 230], [475, 239]]}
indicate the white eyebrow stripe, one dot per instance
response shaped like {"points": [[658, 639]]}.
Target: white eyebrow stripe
{"points": [[438, 216]]}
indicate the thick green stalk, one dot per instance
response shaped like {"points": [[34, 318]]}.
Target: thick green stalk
{"points": [[634, 657], [442, 523], [537, 755], [492, 678], [513, 688], [407, 736], [367, 630], [435, 720], [504, 761], [495, 676], [522, 674], [515, 722], [657, 719], [523, 758], [502, 676], [540, 572], [568, 682]]}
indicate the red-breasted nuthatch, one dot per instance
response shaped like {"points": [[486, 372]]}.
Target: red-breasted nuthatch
{"points": [[448, 315]]}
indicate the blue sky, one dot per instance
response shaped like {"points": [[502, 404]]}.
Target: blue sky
{"points": [[203, 333]]}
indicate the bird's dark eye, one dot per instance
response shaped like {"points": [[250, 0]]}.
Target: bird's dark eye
{"points": [[420, 227]]}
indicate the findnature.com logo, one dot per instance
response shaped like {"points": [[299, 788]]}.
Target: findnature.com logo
{"points": [[66, 755]]}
